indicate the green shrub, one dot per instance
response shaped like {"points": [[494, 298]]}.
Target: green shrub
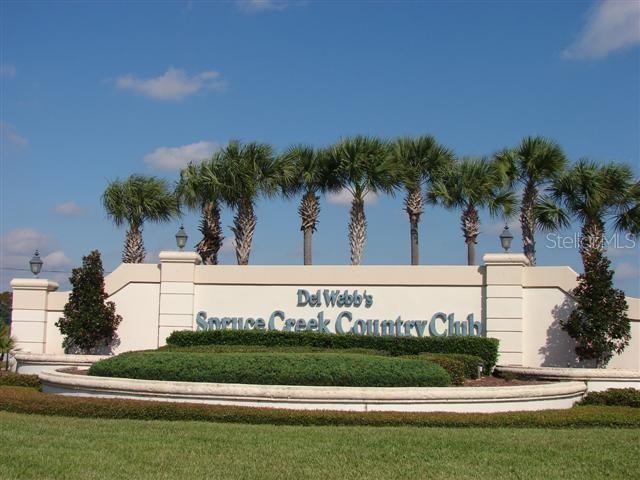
{"points": [[338, 369], [454, 368], [623, 397], [262, 348], [485, 348], [90, 322], [29, 401], [19, 380], [458, 366], [469, 363]]}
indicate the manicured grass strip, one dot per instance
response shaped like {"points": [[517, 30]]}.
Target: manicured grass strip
{"points": [[24, 400], [91, 449], [323, 369], [485, 348]]}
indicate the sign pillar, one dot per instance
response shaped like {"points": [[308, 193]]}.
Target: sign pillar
{"points": [[177, 275], [504, 302], [29, 312]]}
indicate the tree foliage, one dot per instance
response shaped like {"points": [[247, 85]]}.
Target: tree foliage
{"points": [[533, 164], [468, 185], [134, 201], [312, 175], [6, 300], [90, 322], [419, 161], [250, 171], [599, 323], [362, 165], [199, 187], [7, 343]]}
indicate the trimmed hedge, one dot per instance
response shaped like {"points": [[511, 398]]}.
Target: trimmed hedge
{"points": [[29, 401], [329, 369], [622, 397], [19, 380], [485, 348], [458, 366], [263, 349]]}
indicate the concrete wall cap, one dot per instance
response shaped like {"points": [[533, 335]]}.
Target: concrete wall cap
{"points": [[49, 358], [169, 256], [505, 259], [314, 393], [33, 284], [573, 373]]}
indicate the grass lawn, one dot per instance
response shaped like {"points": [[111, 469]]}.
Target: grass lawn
{"points": [[41, 447]]}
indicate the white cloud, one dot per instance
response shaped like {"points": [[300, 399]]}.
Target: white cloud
{"points": [[24, 241], [174, 84], [7, 70], [9, 134], [17, 248], [56, 259], [68, 209], [611, 25], [175, 158], [344, 197], [627, 271], [252, 6]]}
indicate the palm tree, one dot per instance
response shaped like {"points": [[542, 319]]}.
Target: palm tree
{"points": [[312, 174], [248, 171], [594, 194], [134, 201], [534, 164], [199, 188], [469, 185], [7, 343], [361, 167], [420, 161]]}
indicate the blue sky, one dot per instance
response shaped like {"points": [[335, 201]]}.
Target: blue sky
{"points": [[95, 91]]}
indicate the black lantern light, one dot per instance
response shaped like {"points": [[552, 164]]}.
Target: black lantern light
{"points": [[181, 237], [35, 264], [506, 238]]}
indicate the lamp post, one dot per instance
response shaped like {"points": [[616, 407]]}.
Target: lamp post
{"points": [[181, 238], [506, 238], [35, 264]]}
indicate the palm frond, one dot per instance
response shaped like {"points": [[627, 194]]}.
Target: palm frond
{"points": [[549, 216]]}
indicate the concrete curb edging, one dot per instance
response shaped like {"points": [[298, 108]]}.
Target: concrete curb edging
{"points": [[597, 379], [34, 363], [415, 399]]}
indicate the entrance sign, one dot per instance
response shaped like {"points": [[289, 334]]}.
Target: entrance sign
{"points": [[504, 298], [438, 324]]}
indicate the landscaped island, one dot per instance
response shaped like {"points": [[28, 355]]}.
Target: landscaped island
{"points": [[282, 358]]}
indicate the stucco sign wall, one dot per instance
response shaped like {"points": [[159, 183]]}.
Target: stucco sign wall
{"points": [[344, 310], [504, 298]]}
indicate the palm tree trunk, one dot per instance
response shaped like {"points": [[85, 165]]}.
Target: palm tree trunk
{"points": [[470, 229], [309, 211], [211, 230], [413, 205], [357, 230], [244, 224], [592, 240], [527, 221], [134, 251]]}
